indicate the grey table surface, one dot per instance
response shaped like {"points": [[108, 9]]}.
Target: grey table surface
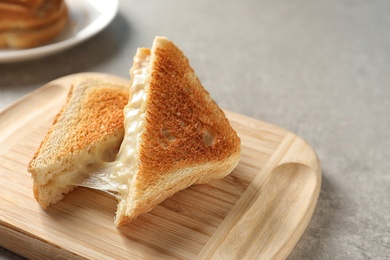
{"points": [[320, 69]]}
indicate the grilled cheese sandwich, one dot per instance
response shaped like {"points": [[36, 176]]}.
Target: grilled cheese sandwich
{"points": [[175, 136]]}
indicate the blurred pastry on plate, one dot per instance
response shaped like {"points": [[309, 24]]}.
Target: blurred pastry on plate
{"points": [[31, 23]]}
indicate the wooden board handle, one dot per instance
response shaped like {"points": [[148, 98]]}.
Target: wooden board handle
{"points": [[274, 211]]}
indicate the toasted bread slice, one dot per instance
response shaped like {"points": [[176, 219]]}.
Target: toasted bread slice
{"points": [[86, 132], [175, 134]]}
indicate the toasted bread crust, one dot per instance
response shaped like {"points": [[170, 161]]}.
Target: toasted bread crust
{"points": [[90, 120], [187, 137]]}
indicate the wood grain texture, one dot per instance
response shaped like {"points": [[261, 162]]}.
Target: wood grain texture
{"points": [[259, 211]]}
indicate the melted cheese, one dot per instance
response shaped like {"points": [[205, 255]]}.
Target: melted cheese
{"points": [[115, 177], [127, 161]]}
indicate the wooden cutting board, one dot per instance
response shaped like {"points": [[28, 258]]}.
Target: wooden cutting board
{"points": [[259, 211]]}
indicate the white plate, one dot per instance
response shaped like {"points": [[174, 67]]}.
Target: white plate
{"points": [[86, 18]]}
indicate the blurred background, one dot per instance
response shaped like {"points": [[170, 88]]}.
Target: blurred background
{"points": [[320, 69]]}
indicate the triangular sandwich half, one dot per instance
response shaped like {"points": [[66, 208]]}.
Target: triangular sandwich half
{"points": [[86, 133], [175, 134]]}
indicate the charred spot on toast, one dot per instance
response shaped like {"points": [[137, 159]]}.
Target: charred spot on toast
{"points": [[167, 134], [183, 123], [208, 137]]}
